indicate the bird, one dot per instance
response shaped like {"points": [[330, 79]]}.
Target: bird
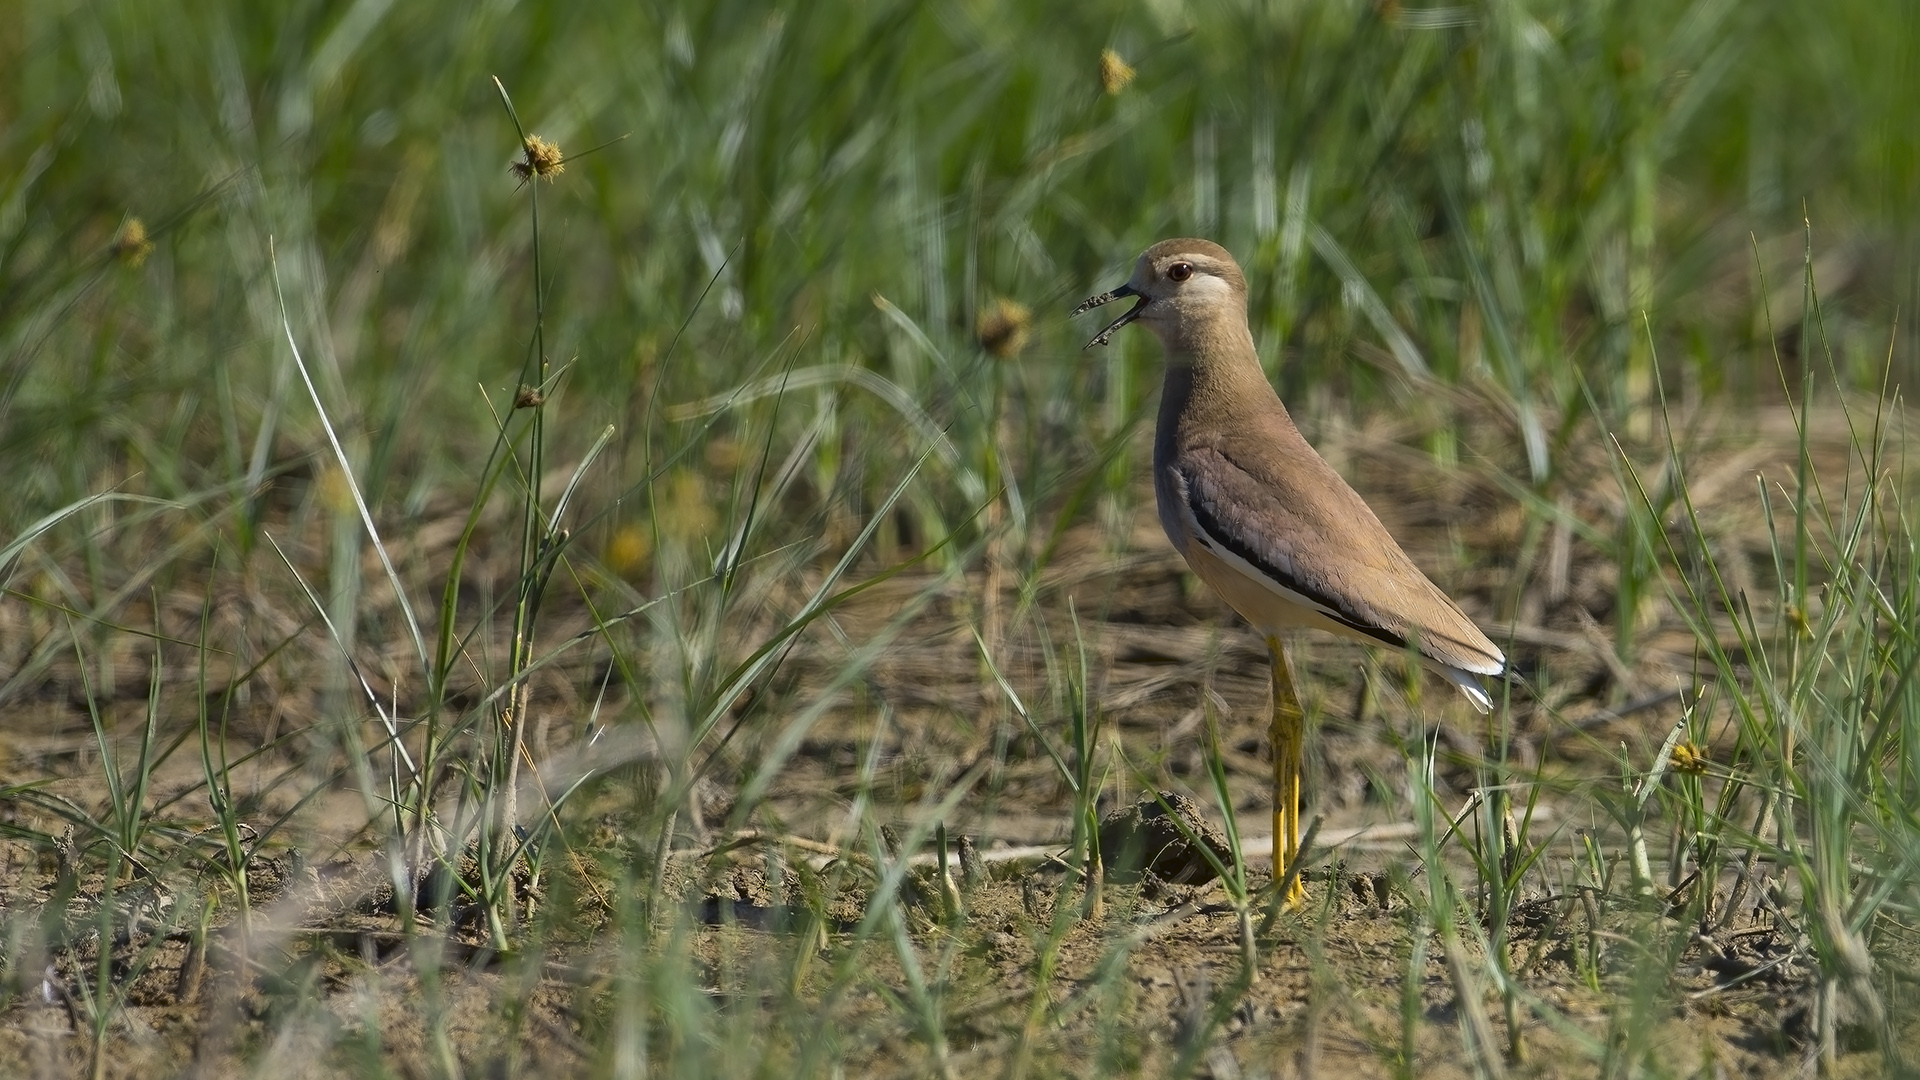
{"points": [[1262, 518]]}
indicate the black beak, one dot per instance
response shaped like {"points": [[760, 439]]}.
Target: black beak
{"points": [[1092, 302]]}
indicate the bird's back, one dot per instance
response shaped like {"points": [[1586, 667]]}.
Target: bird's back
{"points": [[1244, 497]]}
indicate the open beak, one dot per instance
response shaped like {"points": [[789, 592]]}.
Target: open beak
{"points": [[1092, 302]]}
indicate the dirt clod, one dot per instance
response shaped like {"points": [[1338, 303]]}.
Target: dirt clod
{"points": [[1143, 839]]}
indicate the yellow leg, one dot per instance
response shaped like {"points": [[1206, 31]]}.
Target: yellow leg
{"points": [[1289, 750]]}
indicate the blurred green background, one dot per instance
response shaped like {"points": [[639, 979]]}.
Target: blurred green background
{"points": [[1485, 194]]}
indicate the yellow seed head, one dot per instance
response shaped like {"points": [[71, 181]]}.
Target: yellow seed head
{"points": [[627, 553], [131, 245], [1002, 328], [1114, 72], [1690, 758], [1797, 617], [538, 157]]}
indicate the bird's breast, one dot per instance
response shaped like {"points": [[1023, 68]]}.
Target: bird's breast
{"points": [[1169, 495]]}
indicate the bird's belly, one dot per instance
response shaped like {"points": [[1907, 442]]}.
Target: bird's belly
{"points": [[1268, 611]]}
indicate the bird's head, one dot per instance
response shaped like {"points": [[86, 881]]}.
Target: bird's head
{"points": [[1179, 285]]}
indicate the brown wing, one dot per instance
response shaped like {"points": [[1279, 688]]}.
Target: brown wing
{"points": [[1304, 531]]}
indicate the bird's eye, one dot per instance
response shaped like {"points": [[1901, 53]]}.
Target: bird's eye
{"points": [[1180, 271]]}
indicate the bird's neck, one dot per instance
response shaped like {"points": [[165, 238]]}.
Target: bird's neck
{"points": [[1214, 363], [1221, 340], [1207, 393]]}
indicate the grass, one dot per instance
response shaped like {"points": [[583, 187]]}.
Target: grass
{"points": [[463, 620]]}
